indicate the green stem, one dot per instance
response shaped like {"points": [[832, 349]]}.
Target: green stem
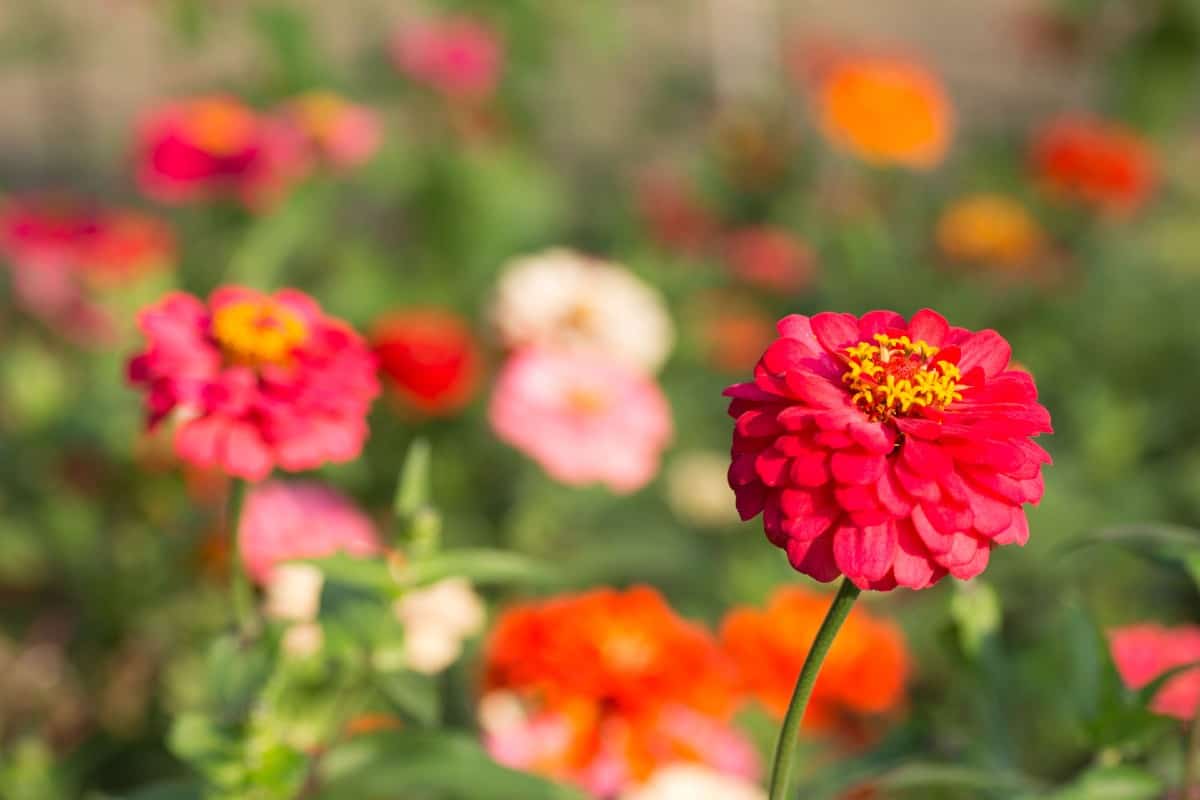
{"points": [[785, 750], [242, 591], [1191, 782]]}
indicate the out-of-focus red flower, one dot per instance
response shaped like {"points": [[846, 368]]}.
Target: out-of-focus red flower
{"points": [[460, 57], [990, 231], [286, 521], [863, 676], [583, 418], [1101, 164], [733, 332], [602, 687], [339, 133], [890, 451], [676, 218], [770, 258], [61, 248], [884, 110], [207, 147], [255, 381], [430, 359], [1144, 652]]}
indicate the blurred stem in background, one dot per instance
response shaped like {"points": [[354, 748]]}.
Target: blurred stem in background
{"points": [[242, 591], [785, 750]]}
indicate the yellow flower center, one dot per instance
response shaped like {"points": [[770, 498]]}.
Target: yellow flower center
{"points": [[319, 113], [221, 127], [255, 333], [586, 401], [894, 375]]}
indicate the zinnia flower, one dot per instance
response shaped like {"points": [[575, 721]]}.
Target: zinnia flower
{"points": [[255, 381], [769, 258], [1144, 652], [563, 300], [892, 452], [694, 782], [676, 218], [885, 111], [457, 56], [216, 146], [990, 230], [430, 359], [61, 249], [864, 674], [603, 687], [292, 520], [584, 419], [437, 619], [339, 132], [1098, 163]]}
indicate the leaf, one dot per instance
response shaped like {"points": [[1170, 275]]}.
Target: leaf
{"points": [[236, 673], [386, 765], [481, 566], [260, 259], [1111, 783], [951, 776], [173, 790], [414, 694], [370, 575], [1170, 545], [412, 490]]}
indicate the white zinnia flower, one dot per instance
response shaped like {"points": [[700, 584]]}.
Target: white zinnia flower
{"points": [[294, 592], [563, 300], [694, 782], [436, 620]]}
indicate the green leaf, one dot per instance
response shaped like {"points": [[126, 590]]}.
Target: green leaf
{"points": [[387, 765], [367, 574], [413, 694], [412, 491], [237, 671], [1111, 783], [950, 776], [1171, 545], [260, 260], [173, 790], [481, 566]]}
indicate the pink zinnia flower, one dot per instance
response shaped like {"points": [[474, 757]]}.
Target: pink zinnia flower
{"points": [[892, 452], [216, 146], [460, 57], [338, 132], [256, 381], [287, 521], [585, 419], [1144, 652]]}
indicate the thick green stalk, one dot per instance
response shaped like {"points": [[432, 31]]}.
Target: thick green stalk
{"points": [[785, 750]]}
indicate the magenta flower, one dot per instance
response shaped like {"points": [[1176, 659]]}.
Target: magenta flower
{"points": [[458, 57], [255, 381], [1144, 652]]}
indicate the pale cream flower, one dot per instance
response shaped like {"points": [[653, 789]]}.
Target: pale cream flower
{"points": [[560, 299], [694, 782], [698, 491], [294, 592], [436, 620], [303, 639]]}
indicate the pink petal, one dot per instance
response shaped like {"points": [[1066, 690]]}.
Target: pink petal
{"points": [[835, 332], [864, 554], [911, 564], [857, 467], [929, 326], [987, 350]]}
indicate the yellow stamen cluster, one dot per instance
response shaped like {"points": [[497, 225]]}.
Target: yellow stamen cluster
{"points": [[895, 374], [255, 333]]}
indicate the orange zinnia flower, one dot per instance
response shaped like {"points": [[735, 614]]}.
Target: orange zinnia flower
{"points": [[989, 230], [1101, 164], [603, 687], [864, 674], [886, 111]]}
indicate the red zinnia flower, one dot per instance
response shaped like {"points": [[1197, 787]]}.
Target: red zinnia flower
{"points": [[1144, 652], [256, 381], [1102, 164], [769, 258], [430, 359], [889, 451]]}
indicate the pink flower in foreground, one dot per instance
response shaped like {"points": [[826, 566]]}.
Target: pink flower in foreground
{"points": [[216, 146], [892, 452], [583, 418], [1144, 652], [255, 381], [343, 134], [287, 521], [459, 57]]}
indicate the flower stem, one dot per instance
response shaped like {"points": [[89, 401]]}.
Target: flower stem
{"points": [[785, 750], [240, 588], [1191, 782]]}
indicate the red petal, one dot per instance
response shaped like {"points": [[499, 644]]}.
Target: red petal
{"points": [[925, 458], [855, 498], [991, 516], [975, 566], [857, 467], [937, 542], [1017, 533], [835, 332], [911, 564], [929, 326], [864, 554], [874, 322], [809, 468], [815, 559], [986, 349], [758, 423], [750, 500], [891, 495]]}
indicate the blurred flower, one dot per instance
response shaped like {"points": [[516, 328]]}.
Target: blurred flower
{"points": [[62, 249], [604, 687], [288, 521], [697, 490], [367, 724], [1098, 163], [676, 217], [563, 300], [864, 674], [770, 258], [294, 591], [755, 149], [214, 146], [429, 357], [340, 133], [732, 332], [693, 782], [582, 418], [892, 452], [255, 381], [990, 230], [436, 620], [460, 57], [885, 111], [1144, 652], [303, 640]]}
